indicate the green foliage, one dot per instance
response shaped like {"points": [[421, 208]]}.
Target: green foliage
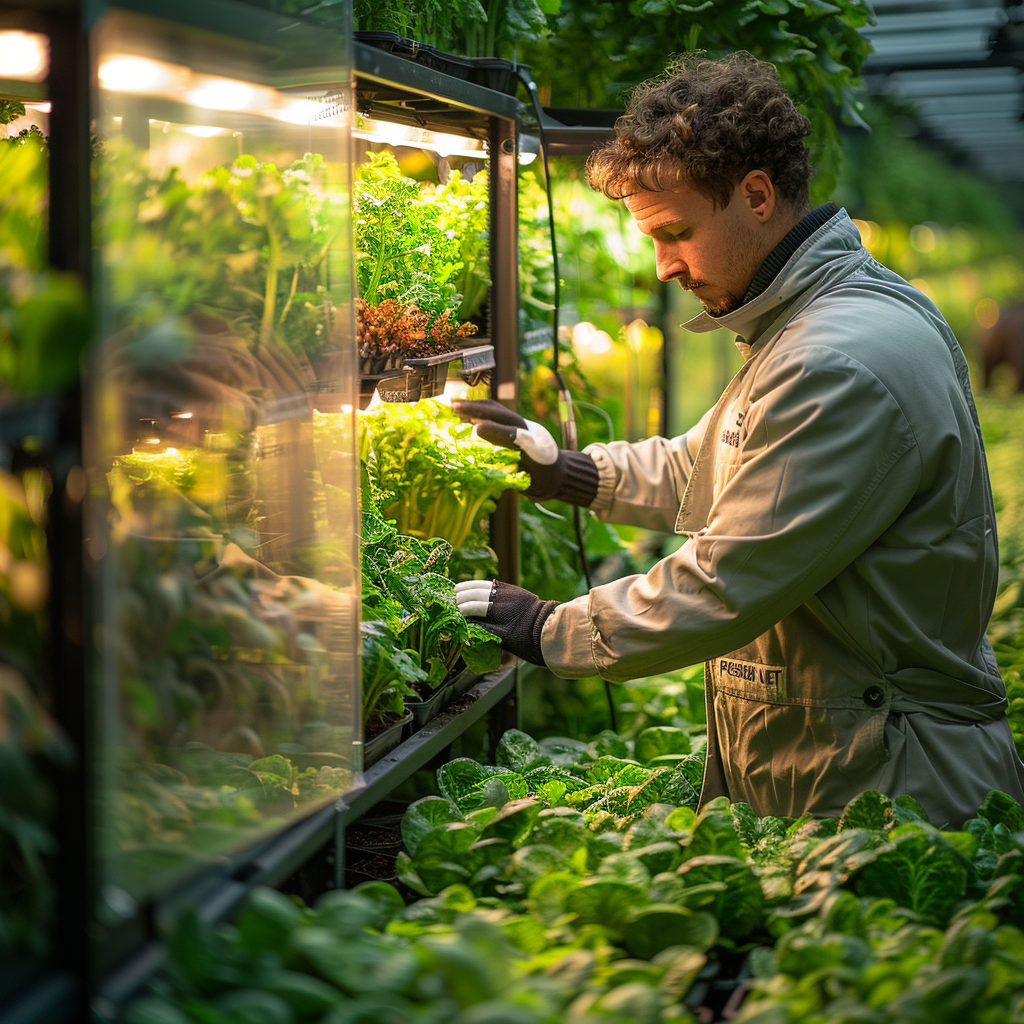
{"points": [[595, 53], [474, 28], [401, 251], [413, 632], [246, 244], [44, 319], [546, 913], [434, 479]]}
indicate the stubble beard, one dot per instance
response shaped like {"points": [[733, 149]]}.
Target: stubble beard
{"points": [[741, 242]]}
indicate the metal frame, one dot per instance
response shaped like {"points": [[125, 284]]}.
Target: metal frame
{"points": [[89, 978]]}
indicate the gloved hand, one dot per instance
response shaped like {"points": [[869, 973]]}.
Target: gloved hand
{"points": [[554, 473], [512, 614]]}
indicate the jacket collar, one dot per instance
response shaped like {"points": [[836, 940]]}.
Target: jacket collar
{"points": [[832, 243]]}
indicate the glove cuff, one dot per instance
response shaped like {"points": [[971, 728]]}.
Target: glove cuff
{"points": [[580, 479], [575, 478], [517, 617]]}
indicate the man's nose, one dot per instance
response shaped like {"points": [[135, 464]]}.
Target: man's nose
{"points": [[669, 263]]}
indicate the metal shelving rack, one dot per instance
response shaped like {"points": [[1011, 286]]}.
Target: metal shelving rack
{"points": [[93, 968]]}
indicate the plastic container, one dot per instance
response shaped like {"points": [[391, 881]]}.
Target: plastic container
{"points": [[423, 711], [490, 72], [385, 741]]}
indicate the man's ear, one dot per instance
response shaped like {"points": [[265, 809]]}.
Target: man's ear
{"points": [[758, 195]]}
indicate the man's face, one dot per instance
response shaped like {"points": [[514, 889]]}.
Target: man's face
{"points": [[712, 252]]}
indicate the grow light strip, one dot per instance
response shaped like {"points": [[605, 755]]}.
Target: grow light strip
{"points": [[392, 134]]}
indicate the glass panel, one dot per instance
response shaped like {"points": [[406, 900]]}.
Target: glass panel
{"points": [[421, 203], [31, 746], [223, 410]]}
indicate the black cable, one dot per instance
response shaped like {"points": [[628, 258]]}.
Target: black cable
{"points": [[566, 415]]}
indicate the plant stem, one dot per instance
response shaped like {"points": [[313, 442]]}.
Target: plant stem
{"points": [[370, 298], [270, 293], [291, 295]]}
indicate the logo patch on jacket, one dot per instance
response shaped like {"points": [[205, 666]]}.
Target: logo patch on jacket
{"points": [[751, 678], [732, 437]]}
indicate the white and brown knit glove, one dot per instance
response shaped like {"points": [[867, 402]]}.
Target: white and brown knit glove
{"points": [[554, 472]]}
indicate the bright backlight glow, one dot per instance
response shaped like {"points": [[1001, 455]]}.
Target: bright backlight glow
{"points": [[24, 56], [298, 111], [204, 131], [222, 94], [131, 74]]}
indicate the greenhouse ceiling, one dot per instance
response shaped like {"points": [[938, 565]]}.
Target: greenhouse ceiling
{"points": [[961, 64]]}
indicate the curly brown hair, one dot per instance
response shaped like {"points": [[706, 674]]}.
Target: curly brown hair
{"points": [[706, 124]]}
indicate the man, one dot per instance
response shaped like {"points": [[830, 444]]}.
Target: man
{"points": [[841, 562]]}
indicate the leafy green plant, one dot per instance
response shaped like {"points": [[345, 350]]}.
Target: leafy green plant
{"points": [[402, 250], [434, 478], [413, 631], [44, 319], [594, 53], [245, 244], [474, 28]]}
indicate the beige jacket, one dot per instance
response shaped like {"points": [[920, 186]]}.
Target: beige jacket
{"points": [[841, 563]]}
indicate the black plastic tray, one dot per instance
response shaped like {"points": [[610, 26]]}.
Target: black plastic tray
{"points": [[386, 741], [491, 72], [423, 711]]}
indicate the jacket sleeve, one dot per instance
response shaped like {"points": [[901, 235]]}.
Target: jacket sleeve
{"points": [[827, 463], [642, 484]]}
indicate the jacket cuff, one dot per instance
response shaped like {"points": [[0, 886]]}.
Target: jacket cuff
{"points": [[606, 478], [566, 640], [579, 479]]}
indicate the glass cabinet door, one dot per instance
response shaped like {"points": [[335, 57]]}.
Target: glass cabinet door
{"points": [[43, 326], [222, 440]]}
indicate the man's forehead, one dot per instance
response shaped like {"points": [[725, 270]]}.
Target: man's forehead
{"points": [[652, 210]]}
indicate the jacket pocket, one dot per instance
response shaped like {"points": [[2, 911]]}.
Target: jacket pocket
{"points": [[787, 758]]}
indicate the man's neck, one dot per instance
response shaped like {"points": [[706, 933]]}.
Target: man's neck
{"points": [[803, 226]]}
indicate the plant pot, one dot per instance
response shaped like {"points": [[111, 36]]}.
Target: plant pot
{"points": [[464, 680], [399, 388], [421, 53], [385, 741], [490, 72], [497, 73], [423, 711]]}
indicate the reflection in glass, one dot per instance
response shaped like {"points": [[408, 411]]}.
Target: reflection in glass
{"points": [[228, 580]]}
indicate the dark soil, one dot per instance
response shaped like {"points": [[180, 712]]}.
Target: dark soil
{"points": [[461, 704], [371, 865], [367, 837], [377, 724]]}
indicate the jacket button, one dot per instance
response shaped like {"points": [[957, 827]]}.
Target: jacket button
{"points": [[874, 697]]}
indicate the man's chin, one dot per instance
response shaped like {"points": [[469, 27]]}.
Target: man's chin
{"points": [[723, 307]]}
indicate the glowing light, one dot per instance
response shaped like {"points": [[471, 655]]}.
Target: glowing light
{"points": [[346, 409], [601, 343], [870, 233], [204, 131], [24, 56], [923, 286], [442, 143], [44, 108], [583, 334], [635, 333], [181, 415], [923, 238], [132, 74], [298, 111], [151, 440], [173, 452], [986, 312], [222, 94]]}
